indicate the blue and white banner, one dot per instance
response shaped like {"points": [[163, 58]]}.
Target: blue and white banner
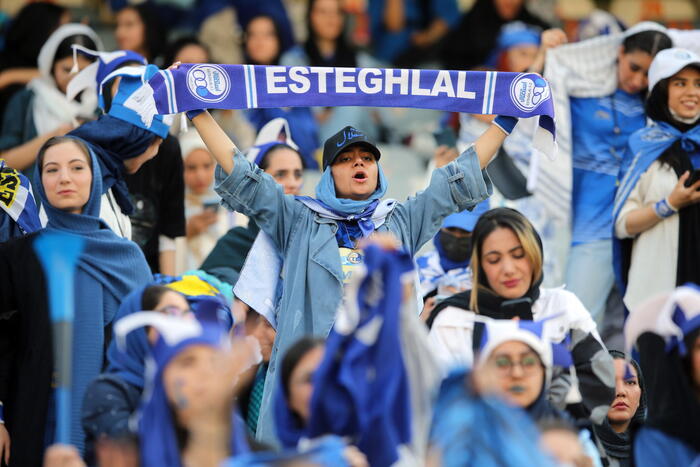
{"points": [[197, 86]]}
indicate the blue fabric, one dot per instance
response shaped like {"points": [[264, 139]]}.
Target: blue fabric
{"points": [[109, 268], [469, 429], [654, 448], [128, 363], [211, 86], [128, 86], [156, 425], [597, 155], [645, 146], [389, 45], [325, 193], [328, 452], [302, 124], [313, 276], [113, 140], [358, 392]]}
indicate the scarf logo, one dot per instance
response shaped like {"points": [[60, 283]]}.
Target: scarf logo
{"points": [[9, 183], [208, 83], [529, 91]]}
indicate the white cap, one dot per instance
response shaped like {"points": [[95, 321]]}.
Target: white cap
{"points": [[668, 62]]}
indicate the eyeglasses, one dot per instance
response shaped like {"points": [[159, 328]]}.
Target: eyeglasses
{"points": [[528, 364]]}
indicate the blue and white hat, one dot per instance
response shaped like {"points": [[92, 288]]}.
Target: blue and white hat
{"points": [[466, 220]]}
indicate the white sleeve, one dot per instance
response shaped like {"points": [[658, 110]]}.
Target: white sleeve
{"points": [[633, 201], [451, 339]]}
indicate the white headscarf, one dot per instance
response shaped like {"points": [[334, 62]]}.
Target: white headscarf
{"points": [[51, 108]]}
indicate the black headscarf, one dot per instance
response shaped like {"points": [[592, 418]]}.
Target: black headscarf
{"points": [[473, 40], [619, 445]]}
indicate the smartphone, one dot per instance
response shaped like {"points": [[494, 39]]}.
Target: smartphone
{"points": [[520, 307], [212, 206], [694, 177], [446, 137]]}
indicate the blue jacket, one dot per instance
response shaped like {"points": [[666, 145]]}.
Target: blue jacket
{"points": [[313, 277]]}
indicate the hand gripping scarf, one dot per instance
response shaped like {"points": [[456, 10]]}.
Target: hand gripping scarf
{"points": [[193, 87]]}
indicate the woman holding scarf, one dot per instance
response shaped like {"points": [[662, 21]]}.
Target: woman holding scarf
{"points": [[318, 237], [69, 180], [507, 277], [656, 206]]}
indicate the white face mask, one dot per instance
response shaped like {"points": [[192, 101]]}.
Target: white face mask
{"points": [[687, 121]]}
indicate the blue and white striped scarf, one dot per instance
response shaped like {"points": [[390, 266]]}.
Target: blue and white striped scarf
{"points": [[193, 87]]}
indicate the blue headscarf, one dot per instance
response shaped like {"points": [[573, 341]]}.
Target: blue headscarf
{"points": [[156, 426], [356, 219], [109, 268], [325, 193]]}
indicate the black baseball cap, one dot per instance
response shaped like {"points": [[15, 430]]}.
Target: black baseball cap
{"points": [[340, 141]]}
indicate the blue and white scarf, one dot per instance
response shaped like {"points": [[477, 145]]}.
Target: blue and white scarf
{"points": [[645, 146], [17, 201], [193, 87]]}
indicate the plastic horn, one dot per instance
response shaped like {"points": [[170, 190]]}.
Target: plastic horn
{"points": [[58, 254]]}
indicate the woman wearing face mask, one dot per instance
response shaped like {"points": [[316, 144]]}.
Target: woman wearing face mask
{"points": [[42, 109], [656, 207], [507, 274], [69, 180], [627, 412], [445, 270]]}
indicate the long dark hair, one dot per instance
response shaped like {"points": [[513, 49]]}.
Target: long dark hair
{"points": [[651, 42], [177, 45], [657, 109], [65, 49], [28, 32], [470, 43], [154, 32], [344, 54], [278, 36]]}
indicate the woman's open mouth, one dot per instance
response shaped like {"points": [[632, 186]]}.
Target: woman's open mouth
{"points": [[360, 177]]}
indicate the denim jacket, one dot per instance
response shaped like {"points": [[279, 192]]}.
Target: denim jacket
{"points": [[313, 278]]}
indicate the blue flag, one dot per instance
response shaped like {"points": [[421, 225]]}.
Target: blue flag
{"points": [[367, 387], [19, 214]]}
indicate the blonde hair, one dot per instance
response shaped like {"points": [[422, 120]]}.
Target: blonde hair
{"points": [[527, 236]]}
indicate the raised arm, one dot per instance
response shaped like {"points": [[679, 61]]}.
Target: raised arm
{"points": [[486, 145], [219, 144]]}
